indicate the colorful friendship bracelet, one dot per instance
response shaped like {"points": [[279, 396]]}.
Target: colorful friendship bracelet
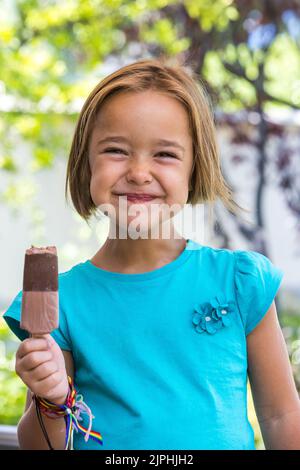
{"points": [[71, 411]]}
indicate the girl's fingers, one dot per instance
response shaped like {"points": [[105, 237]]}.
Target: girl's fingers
{"points": [[44, 386], [34, 359], [42, 372], [32, 344]]}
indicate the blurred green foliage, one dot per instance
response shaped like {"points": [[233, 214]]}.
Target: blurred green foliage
{"points": [[12, 389], [290, 323], [52, 55]]}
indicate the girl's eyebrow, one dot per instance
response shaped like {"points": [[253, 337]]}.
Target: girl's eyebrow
{"points": [[119, 138]]}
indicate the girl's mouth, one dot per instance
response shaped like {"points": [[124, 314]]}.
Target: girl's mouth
{"points": [[140, 198], [137, 199]]}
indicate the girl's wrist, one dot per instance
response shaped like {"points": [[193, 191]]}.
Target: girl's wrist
{"points": [[70, 407], [61, 400]]}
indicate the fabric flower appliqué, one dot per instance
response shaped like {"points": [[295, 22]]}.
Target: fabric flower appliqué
{"points": [[213, 315]]}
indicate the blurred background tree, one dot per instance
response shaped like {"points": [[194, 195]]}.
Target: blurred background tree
{"points": [[53, 53]]}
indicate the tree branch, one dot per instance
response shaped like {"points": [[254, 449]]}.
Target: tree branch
{"points": [[267, 96], [236, 69]]}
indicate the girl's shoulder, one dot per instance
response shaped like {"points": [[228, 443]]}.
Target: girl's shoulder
{"points": [[244, 262], [67, 278], [251, 277], [256, 282], [255, 270]]}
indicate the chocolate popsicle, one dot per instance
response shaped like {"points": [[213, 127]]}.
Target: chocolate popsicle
{"points": [[40, 291]]}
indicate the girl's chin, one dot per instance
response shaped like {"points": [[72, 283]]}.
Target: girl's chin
{"points": [[134, 229]]}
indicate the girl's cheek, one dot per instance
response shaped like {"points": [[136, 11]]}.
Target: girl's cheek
{"points": [[107, 171], [97, 189]]}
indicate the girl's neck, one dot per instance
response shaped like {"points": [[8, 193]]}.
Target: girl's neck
{"points": [[138, 256]]}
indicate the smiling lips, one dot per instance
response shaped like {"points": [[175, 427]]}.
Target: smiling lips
{"points": [[138, 197]]}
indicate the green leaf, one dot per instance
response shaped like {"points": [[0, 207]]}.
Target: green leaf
{"points": [[42, 158], [7, 163]]}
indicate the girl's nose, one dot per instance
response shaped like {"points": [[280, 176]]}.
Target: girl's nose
{"points": [[139, 172]]}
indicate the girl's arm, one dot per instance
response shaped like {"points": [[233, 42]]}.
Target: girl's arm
{"points": [[274, 392], [30, 435]]}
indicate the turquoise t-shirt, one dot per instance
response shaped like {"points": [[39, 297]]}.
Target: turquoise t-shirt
{"points": [[161, 357]]}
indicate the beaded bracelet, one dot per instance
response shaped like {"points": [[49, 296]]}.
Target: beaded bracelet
{"points": [[71, 410]]}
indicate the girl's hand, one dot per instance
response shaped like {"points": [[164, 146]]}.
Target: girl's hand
{"points": [[41, 366]]}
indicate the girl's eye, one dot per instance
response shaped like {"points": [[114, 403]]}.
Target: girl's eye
{"points": [[114, 149], [168, 154]]}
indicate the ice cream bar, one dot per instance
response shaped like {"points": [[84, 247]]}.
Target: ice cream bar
{"points": [[40, 291]]}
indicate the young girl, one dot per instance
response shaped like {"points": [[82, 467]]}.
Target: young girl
{"points": [[158, 334]]}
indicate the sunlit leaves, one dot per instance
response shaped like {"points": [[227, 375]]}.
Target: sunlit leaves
{"points": [[7, 163], [35, 56], [234, 92], [43, 158], [163, 32], [214, 14], [12, 390], [285, 52], [7, 34], [42, 18], [29, 127]]}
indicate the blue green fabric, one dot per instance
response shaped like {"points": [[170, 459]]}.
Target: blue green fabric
{"points": [[156, 360]]}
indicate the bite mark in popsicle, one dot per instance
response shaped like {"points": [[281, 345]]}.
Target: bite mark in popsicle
{"points": [[40, 291]]}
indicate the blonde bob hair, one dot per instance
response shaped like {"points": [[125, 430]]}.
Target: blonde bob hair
{"points": [[207, 184]]}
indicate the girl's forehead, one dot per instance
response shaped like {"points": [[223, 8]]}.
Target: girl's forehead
{"points": [[147, 103], [160, 121]]}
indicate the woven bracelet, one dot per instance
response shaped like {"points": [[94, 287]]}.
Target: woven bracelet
{"points": [[71, 412]]}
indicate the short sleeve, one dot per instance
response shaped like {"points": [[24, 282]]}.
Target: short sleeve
{"points": [[257, 281], [12, 317]]}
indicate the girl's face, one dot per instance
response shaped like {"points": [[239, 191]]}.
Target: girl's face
{"points": [[134, 158]]}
